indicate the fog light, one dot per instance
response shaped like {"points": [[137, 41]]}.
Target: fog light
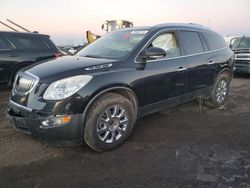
{"points": [[55, 121]]}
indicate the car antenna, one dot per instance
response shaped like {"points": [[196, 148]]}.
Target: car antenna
{"points": [[18, 25], [9, 26]]}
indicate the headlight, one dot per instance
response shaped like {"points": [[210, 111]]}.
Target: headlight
{"points": [[64, 88]]}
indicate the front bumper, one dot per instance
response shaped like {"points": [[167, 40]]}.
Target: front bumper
{"points": [[29, 121]]}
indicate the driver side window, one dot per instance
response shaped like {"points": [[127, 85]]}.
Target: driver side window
{"points": [[167, 42]]}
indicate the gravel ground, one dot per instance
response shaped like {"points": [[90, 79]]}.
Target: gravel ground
{"points": [[185, 146]]}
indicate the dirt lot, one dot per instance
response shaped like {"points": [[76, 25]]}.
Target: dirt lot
{"points": [[179, 147]]}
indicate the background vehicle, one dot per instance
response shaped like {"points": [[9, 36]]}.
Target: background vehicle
{"points": [[108, 26], [241, 48], [97, 95], [18, 50], [111, 25]]}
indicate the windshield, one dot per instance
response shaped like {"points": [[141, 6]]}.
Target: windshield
{"points": [[240, 42], [115, 45]]}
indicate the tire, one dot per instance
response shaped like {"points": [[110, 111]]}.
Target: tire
{"points": [[220, 90], [104, 129]]}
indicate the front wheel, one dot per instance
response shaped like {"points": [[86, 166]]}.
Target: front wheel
{"points": [[109, 122], [220, 90]]}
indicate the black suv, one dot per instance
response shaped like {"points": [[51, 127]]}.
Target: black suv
{"points": [[18, 50], [97, 95]]}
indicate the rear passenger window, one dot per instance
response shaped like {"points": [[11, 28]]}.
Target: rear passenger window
{"points": [[30, 42], [4, 44], [191, 42], [215, 41]]}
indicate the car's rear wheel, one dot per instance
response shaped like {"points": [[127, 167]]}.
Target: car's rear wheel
{"points": [[109, 122], [220, 90]]}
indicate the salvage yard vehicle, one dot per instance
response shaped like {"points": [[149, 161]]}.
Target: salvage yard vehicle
{"points": [[18, 50], [109, 26], [97, 95], [241, 48]]}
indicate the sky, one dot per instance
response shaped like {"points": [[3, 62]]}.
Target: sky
{"points": [[66, 21]]}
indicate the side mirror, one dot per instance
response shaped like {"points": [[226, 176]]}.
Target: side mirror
{"points": [[153, 53]]}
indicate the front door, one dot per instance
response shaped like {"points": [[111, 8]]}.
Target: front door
{"points": [[164, 78]]}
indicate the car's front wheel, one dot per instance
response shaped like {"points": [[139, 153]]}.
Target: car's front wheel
{"points": [[109, 122]]}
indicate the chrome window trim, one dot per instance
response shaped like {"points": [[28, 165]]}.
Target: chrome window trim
{"points": [[176, 29], [6, 49], [207, 52], [21, 106]]}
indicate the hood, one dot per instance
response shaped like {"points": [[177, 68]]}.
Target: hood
{"points": [[67, 66]]}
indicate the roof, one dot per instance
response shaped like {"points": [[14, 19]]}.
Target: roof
{"points": [[182, 25], [170, 25], [23, 33]]}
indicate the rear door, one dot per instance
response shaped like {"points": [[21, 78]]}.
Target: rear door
{"points": [[201, 64], [8, 58], [33, 48]]}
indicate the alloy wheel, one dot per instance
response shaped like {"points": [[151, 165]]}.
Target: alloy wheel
{"points": [[221, 91], [112, 124]]}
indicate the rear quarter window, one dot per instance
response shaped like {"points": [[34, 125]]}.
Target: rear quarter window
{"points": [[30, 42], [214, 41]]}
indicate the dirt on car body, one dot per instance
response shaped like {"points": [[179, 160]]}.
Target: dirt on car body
{"points": [[186, 146]]}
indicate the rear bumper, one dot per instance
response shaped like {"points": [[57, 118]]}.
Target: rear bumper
{"points": [[29, 122]]}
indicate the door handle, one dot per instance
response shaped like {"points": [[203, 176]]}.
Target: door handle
{"points": [[181, 69], [13, 55], [211, 62]]}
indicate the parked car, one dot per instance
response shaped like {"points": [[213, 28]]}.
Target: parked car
{"points": [[97, 95], [18, 50], [241, 48]]}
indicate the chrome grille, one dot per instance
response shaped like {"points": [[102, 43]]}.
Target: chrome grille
{"points": [[241, 62], [242, 55], [24, 83]]}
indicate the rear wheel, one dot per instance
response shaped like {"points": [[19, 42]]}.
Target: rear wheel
{"points": [[220, 90], [109, 122]]}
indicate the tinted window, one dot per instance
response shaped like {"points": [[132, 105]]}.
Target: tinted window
{"points": [[215, 41], [191, 42], [4, 44], [240, 42], [30, 42], [167, 42]]}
